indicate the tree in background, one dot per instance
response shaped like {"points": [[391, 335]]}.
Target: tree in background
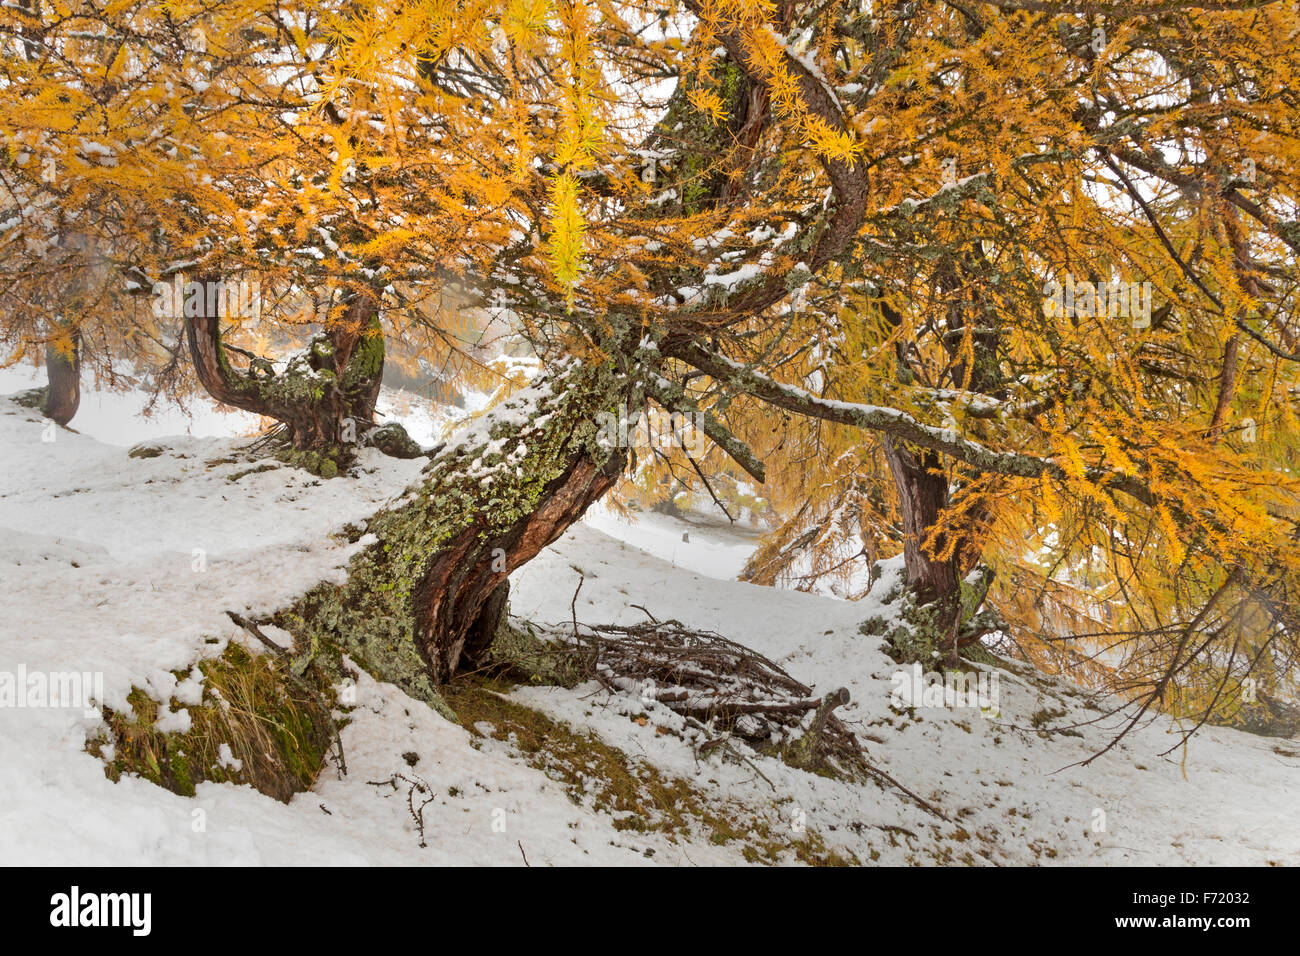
{"points": [[227, 191]]}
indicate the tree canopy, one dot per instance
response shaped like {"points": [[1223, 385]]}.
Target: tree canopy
{"points": [[1006, 286]]}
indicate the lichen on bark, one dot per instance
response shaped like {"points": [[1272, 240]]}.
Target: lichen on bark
{"points": [[324, 396], [486, 504]]}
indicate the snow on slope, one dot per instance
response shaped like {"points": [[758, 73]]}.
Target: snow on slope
{"points": [[713, 549], [1009, 788], [97, 573], [114, 416], [98, 569]]}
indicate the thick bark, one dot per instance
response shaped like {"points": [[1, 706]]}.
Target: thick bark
{"points": [[424, 598], [325, 397], [481, 634], [922, 497], [63, 371], [459, 582], [937, 562], [222, 381]]}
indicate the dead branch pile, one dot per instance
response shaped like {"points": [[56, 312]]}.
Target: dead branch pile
{"points": [[721, 686]]}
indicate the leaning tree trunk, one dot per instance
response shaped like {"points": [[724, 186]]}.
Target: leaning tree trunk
{"points": [[423, 597], [325, 397], [63, 373]]}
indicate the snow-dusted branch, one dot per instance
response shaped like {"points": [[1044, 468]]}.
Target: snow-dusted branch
{"points": [[894, 422]]}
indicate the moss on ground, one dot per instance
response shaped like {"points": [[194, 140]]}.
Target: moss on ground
{"points": [[640, 797], [327, 462], [278, 730]]}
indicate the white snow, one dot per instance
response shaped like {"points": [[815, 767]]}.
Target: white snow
{"points": [[126, 567], [715, 552]]}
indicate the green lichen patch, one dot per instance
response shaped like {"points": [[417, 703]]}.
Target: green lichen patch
{"points": [[367, 362], [301, 383], [325, 629], [492, 478], [317, 405], [695, 170], [922, 633], [256, 724], [519, 655]]}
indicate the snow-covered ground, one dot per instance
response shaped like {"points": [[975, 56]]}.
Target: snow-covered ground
{"points": [[125, 566], [709, 547]]}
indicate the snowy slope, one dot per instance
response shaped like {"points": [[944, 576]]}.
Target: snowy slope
{"points": [[98, 558]]}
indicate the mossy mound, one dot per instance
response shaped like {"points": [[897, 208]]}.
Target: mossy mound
{"points": [[30, 398], [256, 724], [327, 462], [518, 654], [392, 439], [915, 633]]}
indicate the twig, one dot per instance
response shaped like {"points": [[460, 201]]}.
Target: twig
{"points": [[573, 605], [646, 611], [877, 772]]}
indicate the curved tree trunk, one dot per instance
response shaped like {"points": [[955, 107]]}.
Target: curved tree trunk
{"points": [[325, 396], [63, 372], [425, 596], [481, 634], [459, 582]]}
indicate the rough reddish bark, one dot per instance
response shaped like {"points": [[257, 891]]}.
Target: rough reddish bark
{"points": [[481, 634], [936, 568], [463, 579], [922, 487], [327, 417], [63, 372]]}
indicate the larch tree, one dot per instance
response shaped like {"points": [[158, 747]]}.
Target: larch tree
{"points": [[1016, 278], [226, 191], [1047, 326]]}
